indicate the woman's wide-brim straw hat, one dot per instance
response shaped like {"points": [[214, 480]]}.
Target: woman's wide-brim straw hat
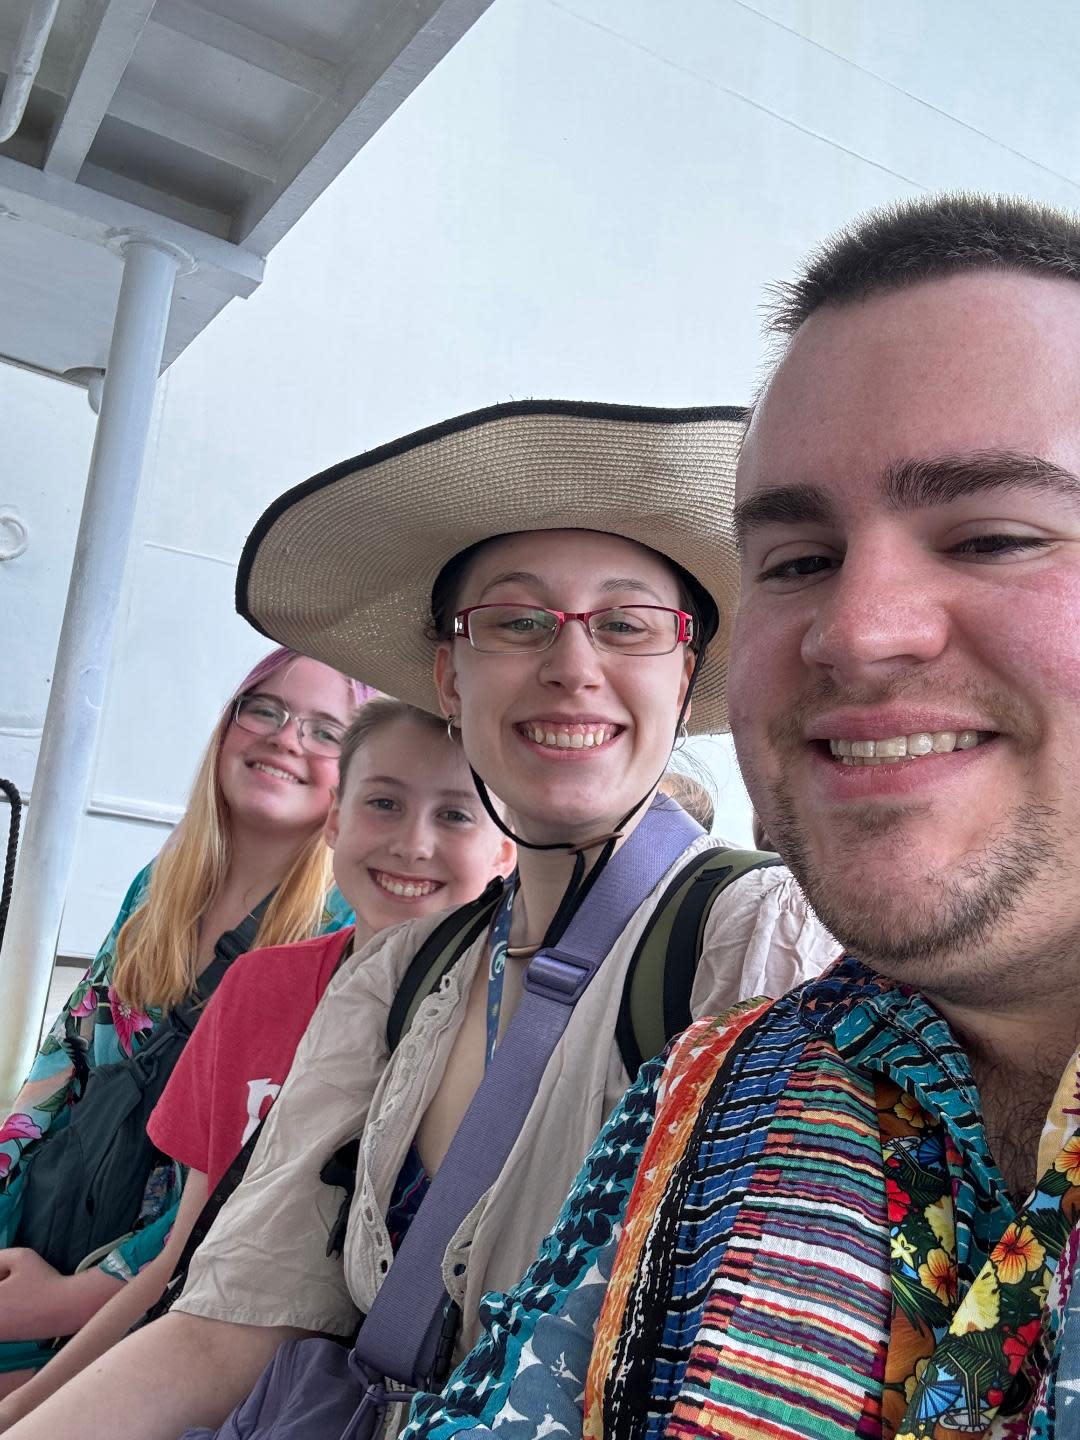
{"points": [[341, 567]]}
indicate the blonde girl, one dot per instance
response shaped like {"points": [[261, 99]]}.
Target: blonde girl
{"points": [[252, 832]]}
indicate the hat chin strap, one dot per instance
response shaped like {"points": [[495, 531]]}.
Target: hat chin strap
{"points": [[580, 882]]}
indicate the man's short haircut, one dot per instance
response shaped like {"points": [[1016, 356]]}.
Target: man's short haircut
{"points": [[928, 239]]}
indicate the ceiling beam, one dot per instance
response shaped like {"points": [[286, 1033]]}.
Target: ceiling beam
{"points": [[184, 17], [393, 58], [85, 214], [98, 69], [160, 202], [182, 128]]}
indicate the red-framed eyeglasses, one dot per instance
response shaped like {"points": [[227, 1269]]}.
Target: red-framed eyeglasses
{"points": [[622, 629]]}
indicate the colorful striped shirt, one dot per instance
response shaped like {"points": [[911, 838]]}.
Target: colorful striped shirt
{"points": [[797, 1233]]}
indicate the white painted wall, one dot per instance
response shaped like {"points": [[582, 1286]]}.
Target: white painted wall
{"points": [[585, 199]]}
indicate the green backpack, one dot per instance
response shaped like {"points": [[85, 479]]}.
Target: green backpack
{"points": [[655, 1004]]}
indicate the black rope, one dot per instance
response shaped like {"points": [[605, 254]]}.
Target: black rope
{"points": [[11, 790]]}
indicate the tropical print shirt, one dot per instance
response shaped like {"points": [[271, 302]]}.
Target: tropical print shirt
{"points": [[113, 1032], [797, 1231]]}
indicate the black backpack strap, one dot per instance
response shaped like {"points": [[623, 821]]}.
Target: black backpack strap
{"points": [[228, 947], [199, 1231], [439, 953], [655, 1004], [340, 1172], [77, 1048]]}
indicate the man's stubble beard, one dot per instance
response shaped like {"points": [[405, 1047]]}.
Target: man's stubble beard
{"points": [[914, 939]]}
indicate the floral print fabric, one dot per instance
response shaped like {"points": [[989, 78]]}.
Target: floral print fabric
{"points": [[110, 1031], [114, 1030], [956, 1368], [953, 1367]]}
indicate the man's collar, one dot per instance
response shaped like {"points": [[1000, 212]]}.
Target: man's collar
{"points": [[889, 1029]]}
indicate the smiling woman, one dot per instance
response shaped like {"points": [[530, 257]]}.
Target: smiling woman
{"points": [[245, 867], [556, 581]]}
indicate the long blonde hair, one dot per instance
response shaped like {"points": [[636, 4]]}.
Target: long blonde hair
{"points": [[156, 949]]}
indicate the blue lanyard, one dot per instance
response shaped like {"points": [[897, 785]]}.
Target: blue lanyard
{"points": [[499, 939]]}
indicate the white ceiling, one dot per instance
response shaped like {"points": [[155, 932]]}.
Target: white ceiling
{"points": [[212, 125]]}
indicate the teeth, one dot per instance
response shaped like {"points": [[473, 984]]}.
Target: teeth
{"points": [[578, 738], [905, 747], [273, 770], [891, 749], [404, 889]]}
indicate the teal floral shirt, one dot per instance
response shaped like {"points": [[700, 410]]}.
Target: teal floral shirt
{"points": [[113, 1031]]}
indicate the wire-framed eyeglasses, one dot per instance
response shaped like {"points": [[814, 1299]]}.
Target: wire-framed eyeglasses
{"points": [[263, 715], [622, 629]]}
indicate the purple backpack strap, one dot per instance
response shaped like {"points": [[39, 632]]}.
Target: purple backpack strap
{"points": [[400, 1336]]}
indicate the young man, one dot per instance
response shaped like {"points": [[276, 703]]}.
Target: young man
{"points": [[850, 1212]]}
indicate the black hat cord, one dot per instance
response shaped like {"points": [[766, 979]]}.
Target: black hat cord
{"points": [[580, 882]]}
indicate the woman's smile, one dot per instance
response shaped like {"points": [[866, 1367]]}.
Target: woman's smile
{"points": [[568, 739]]}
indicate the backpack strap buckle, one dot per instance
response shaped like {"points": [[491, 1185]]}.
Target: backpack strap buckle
{"points": [[557, 975]]}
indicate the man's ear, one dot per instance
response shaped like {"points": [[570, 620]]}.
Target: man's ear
{"points": [[332, 824], [446, 679]]}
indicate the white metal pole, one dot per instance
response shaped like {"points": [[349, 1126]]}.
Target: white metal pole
{"points": [[62, 776]]}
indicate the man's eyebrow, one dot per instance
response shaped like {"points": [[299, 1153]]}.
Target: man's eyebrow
{"points": [[922, 484], [783, 505], [912, 485]]}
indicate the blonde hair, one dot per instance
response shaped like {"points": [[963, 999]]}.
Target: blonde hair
{"points": [[156, 949], [692, 794], [376, 715]]}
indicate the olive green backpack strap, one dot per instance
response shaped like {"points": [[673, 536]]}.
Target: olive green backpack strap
{"points": [[655, 1004], [439, 953]]}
